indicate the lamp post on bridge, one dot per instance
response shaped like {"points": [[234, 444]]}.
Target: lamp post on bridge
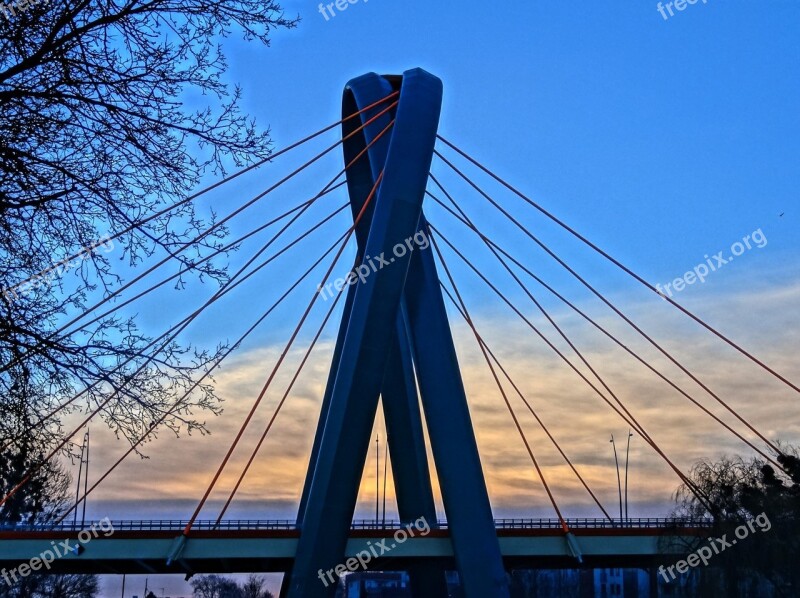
{"points": [[619, 480], [627, 455]]}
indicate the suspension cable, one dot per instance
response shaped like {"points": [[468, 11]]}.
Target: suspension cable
{"points": [[182, 325], [599, 327], [230, 350], [547, 431], [630, 322], [219, 183], [248, 204], [217, 225], [471, 324], [274, 372], [619, 264], [277, 409], [220, 293], [538, 305], [628, 419], [176, 329], [555, 325], [227, 247], [626, 415], [541, 423]]}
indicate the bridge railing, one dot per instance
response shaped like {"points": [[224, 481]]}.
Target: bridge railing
{"points": [[596, 523], [177, 525]]}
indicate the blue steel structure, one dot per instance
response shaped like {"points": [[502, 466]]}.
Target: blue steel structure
{"points": [[394, 343], [395, 337], [244, 546]]}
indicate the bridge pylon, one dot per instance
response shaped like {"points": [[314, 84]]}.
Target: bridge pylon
{"points": [[395, 338]]}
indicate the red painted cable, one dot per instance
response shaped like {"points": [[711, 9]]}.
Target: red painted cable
{"points": [[626, 416], [236, 212], [471, 324], [216, 225], [163, 282], [227, 179], [274, 372], [621, 266], [183, 325], [232, 283], [628, 419], [217, 252], [191, 318], [586, 317], [278, 409], [536, 416], [630, 322], [173, 332], [567, 460], [539, 306], [230, 350]]}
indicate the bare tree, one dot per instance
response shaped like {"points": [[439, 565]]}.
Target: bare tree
{"points": [[255, 587], [736, 491], [215, 586], [43, 500], [46, 496], [110, 111], [68, 586], [53, 586]]}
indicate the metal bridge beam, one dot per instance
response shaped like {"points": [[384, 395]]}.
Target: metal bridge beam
{"points": [[455, 451], [248, 550]]}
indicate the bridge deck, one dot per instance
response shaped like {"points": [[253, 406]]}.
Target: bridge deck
{"points": [[269, 546]]}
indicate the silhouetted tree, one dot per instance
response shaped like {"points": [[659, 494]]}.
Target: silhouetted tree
{"points": [[111, 110], [254, 587], [739, 491], [69, 586], [54, 586], [46, 495], [215, 586], [43, 500]]}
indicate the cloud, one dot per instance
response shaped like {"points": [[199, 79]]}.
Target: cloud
{"points": [[573, 412]]}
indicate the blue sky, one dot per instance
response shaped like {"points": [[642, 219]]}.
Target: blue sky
{"points": [[634, 127], [662, 140]]}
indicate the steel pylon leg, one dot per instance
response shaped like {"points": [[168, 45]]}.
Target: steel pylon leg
{"points": [[394, 321], [368, 340]]}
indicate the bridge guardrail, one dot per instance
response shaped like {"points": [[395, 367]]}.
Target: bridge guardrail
{"points": [[177, 525]]}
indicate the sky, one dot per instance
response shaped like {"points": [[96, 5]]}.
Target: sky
{"points": [[664, 141]]}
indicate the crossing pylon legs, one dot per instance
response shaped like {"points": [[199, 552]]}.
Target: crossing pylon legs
{"points": [[394, 327]]}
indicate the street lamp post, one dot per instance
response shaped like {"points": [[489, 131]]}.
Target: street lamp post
{"points": [[619, 480], [627, 454], [385, 464]]}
